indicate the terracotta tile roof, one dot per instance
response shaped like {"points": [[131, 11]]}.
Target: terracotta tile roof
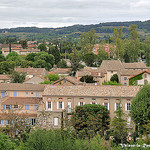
{"points": [[21, 87], [135, 65], [95, 91], [21, 100], [146, 71], [70, 79], [34, 77], [4, 77], [113, 65], [31, 71], [130, 72], [61, 70]]}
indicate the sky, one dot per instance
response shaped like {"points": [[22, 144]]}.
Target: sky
{"points": [[60, 13]]}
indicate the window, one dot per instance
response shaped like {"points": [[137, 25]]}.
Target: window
{"points": [[125, 78], [15, 106], [37, 94], [55, 121], [26, 93], [125, 83], [31, 92], [2, 94], [26, 107], [60, 105], [1, 122], [106, 105], [93, 99], [145, 75], [44, 121], [117, 105], [128, 121], [8, 106], [35, 107], [15, 93], [81, 103], [127, 106], [33, 122]]}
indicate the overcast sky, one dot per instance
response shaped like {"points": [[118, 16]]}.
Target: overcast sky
{"points": [[59, 13]]}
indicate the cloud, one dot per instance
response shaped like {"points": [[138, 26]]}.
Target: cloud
{"points": [[56, 13]]}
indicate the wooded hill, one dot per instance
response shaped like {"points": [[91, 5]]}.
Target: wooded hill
{"points": [[74, 31]]}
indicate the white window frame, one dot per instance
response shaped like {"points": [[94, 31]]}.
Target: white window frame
{"points": [[107, 105], [51, 106], [55, 121]]}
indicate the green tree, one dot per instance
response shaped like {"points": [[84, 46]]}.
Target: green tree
{"points": [[90, 117], [24, 44], [17, 77], [148, 51], [140, 107], [134, 43], [111, 83], [87, 41], [6, 143], [52, 77], [42, 47], [2, 58], [62, 64], [119, 126], [102, 55], [75, 62], [6, 67], [30, 57], [89, 59], [56, 54], [114, 78], [87, 79]]}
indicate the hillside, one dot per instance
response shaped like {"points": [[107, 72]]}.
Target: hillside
{"points": [[72, 32]]}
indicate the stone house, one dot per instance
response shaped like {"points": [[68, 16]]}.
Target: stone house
{"points": [[4, 78], [34, 80], [60, 98]]}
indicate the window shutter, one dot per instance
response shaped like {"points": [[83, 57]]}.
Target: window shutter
{"points": [[55, 121], [51, 106], [115, 107], [1, 122], [125, 106], [95, 103], [103, 104], [46, 105], [57, 105], [29, 121], [78, 103], [5, 122], [108, 106], [90, 102], [4, 106], [10, 106], [83, 103], [62, 105]]}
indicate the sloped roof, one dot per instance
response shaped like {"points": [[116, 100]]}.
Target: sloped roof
{"points": [[4, 77], [21, 87], [94, 91], [114, 65], [136, 65], [130, 72], [61, 70], [31, 71], [70, 79], [21, 100]]}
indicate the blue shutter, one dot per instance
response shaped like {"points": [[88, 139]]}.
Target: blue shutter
{"points": [[26, 107], [15, 93], [10, 106], [35, 107], [37, 94], [5, 122], [2, 94], [4, 106], [1, 122]]}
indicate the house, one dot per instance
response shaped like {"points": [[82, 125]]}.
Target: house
{"points": [[111, 67], [99, 75], [4, 78], [106, 47], [33, 71], [67, 81], [61, 71], [56, 99], [35, 80], [21, 90], [26, 107], [125, 74], [135, 66], [141, 78]]}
